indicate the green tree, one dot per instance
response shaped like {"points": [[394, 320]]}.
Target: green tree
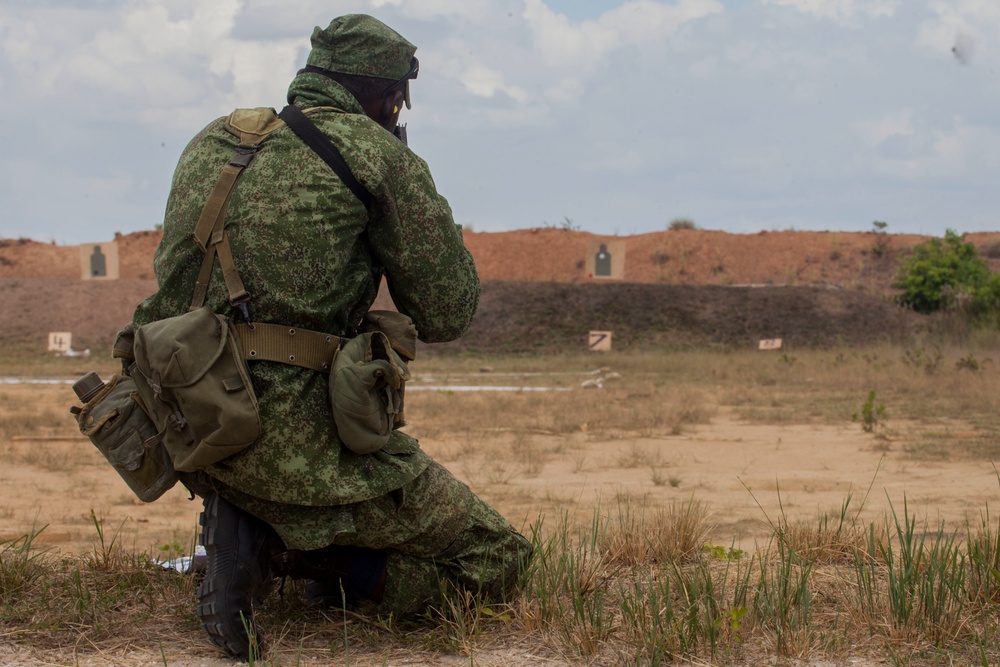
{"points": [[881, 238], [947, 273]]}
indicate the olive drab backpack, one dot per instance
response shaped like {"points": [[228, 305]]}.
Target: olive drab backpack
{"points": [[185, 400]]}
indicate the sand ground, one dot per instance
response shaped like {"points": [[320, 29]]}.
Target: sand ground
{"points": [[747, 473]]}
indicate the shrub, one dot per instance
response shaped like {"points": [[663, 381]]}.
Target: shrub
{"points": [[945, 274], [881, 245], [872, 416], [682, 223]]}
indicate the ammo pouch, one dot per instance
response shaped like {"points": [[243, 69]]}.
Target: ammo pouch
{"points": [[190, 373], [125, 435], [366, 391]]}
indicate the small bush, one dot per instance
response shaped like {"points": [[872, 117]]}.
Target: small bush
{"points": [[872, 415], [678, 224], [945, 274], [881, 245]]}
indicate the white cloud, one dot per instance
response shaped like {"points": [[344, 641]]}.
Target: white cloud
{"points": [[484, 81], [565, 91], [114, 185], [163, 57], [615, 160], [647, 21], [893, 125], [973, 26], [36, 45], [435, 9], [20, 38], [562, 43], [963, 152], [521, 117], [569, 45], [572, 51], [260, 70], [841, 9]]}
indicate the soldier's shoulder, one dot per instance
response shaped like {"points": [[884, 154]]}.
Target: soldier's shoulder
{"points": [[212, 133]]}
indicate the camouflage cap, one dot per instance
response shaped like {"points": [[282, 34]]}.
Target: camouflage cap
{"points": [[361, 45]]}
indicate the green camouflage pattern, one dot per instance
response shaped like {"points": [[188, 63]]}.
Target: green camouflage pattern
{"points": [[361, 45], [309, 259], [436, 530]]}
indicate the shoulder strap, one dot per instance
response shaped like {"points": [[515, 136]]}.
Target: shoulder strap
{"points": [[210, 233], [307, 131], [252, 126]]}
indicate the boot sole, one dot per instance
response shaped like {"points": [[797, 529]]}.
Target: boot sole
{"points": [[224, 608]]}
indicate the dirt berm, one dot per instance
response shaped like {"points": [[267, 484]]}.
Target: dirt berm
{"points": [[688, 287], [525, 316], [546, 317]]}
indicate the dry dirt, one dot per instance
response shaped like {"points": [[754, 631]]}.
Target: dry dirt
{"points": [[824, 287], [680, 287], [747, 473], [55, 477]]}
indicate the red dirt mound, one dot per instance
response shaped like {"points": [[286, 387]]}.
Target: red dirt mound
{"points": [[41, 290]]}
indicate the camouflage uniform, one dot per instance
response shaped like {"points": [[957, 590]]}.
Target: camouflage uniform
{"points": [[312, 257]]}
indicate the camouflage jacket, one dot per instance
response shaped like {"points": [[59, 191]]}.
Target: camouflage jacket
{"points": [[311, 257]]}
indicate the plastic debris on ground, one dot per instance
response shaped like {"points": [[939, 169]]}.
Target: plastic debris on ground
{"points": [[187, 564]]}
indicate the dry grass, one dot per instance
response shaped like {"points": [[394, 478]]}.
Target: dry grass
{"points": [[636, 584], [675, 533], [669, 394], [630, 587]]}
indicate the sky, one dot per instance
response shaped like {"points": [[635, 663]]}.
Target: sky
{"points": [[614, 117]]}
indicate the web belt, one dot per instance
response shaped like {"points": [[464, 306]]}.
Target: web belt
{"points": [[288, 345]]}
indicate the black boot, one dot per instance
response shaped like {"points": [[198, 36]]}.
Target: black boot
{"points": [[240, 547], [336, 575]]}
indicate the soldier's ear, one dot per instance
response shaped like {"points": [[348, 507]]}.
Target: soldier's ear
{"points": [[391, 105]]}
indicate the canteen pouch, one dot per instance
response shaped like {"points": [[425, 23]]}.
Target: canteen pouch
{"points": [[397, 327], [402, 335], [366, 392], [191, 374], [126, 436]]}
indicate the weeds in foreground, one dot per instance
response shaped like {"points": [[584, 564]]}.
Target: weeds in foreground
{"points": [[604, 591], [52, 602], [984, 560], [782, 598], [20, 566]]}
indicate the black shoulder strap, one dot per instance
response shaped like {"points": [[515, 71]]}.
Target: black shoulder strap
{"points": [[321, 144]]}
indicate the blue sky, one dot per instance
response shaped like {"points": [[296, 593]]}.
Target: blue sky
{"points": [[742, 115]]}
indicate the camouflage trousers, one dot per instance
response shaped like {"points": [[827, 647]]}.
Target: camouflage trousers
{"points": [[435, 531]]}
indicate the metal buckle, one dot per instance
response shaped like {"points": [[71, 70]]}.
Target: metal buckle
{"points": [[244, 154]]}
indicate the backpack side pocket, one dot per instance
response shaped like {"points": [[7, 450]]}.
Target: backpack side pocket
{"points": [[126, 436]]}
